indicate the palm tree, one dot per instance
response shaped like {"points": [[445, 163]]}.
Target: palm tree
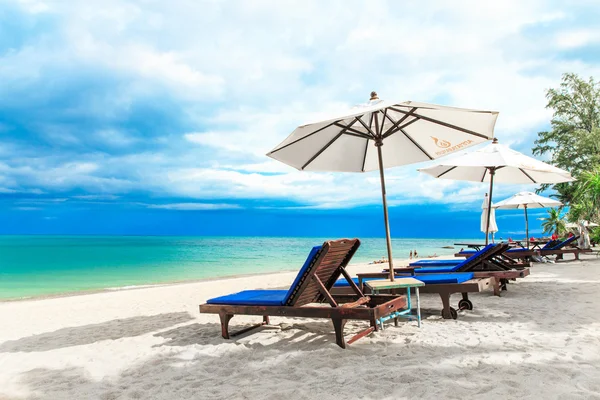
{"points": [[554, 222], [587, 194]]}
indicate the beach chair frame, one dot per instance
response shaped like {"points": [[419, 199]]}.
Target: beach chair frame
{"points": [[558, 250], [500, 278], [444, 290], [497, 259], [315, 287]]}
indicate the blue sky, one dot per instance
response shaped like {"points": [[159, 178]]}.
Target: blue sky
{"points": [[134, 117]]}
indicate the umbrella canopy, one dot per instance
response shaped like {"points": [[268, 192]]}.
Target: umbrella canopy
{"points": [[497, 163], [527, 200], [383, 134], [585, 223], [485, 227]]}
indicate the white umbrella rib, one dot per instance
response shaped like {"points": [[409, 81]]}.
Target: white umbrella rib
{"points": [[336, 137], [395, 125], [389, 132], [365, 156], [368, 128], [351, 131], [446, 171], [304, 137], [527, 175]]}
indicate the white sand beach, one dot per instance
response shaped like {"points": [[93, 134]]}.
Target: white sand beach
{"points": [[540, 340]]}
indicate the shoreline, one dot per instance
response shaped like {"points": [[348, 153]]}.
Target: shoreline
{"points": [[80, 267], [128, 288], [86, 292]]}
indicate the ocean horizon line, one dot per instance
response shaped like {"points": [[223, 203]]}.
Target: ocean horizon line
{"points": [[235, 236]]}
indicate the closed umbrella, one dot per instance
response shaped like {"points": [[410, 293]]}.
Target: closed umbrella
{"points": [[497, 163], [383, 134], [526, 200], [486, 227]]}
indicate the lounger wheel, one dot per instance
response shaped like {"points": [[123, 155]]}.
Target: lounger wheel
{"points": [[453, 314], [465, 304]]}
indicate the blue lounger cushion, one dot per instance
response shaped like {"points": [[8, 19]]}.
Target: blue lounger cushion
{"points": [[299, 278], [460, 264], [437, 263], [268, 297], [428, 279], [513, 250], [434, 269], [252, 298]]}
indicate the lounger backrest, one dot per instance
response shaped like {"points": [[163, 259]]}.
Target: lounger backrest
{"points": [[327, 265], [550, 244], [488, 251], [565, 243], [306, 269]]}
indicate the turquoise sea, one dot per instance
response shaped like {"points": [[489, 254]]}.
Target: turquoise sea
{"points": [[47, 265]]}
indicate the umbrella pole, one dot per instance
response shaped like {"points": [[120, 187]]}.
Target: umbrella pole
{"points": [[526, 226], [385, 211], [487, 222]]}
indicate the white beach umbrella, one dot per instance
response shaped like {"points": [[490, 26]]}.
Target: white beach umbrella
{"points": [[585, 223], [486, 227], [497, 163], [526, 200], [384, 134]]}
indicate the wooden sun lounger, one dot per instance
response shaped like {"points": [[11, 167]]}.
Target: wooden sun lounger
{"points": [[504, 261], [445, 290], [313, 285], [559, 250], [500, 278], [559, 253], [499, 259], [492, 259]]}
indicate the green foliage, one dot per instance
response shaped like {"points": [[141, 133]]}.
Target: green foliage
{"points": [[595, 235], [577, 211], [587, 195], [573, 143], [554, 222]]}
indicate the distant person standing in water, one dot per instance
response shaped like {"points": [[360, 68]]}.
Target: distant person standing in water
{"points": [[410, 258], [415, 253]]}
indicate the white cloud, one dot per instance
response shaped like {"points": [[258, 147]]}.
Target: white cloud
{"points": [[575, 38], [243, 75], [97, 197], [194, 206]]}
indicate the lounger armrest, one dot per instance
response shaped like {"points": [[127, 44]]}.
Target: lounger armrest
{"points": [[402, 270], [372, 275], [357, 303], [366, 275], [405, 270]]}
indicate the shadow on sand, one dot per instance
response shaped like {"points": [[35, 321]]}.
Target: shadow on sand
{"points": [[80, 335]]}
